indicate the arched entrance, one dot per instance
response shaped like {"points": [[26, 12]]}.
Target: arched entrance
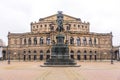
{"points": [[41, 55], [29, 55], [90, 57], [85, 56], [72, 54], [48, 54], [95, 55], [116, 54], [78, 55], [35, 56], [24, 55], [4, 54]]}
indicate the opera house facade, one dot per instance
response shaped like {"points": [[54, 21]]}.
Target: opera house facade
{"points": [[83, 44]]}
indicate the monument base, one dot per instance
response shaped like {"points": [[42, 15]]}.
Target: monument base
{"points": [[60, 65]]}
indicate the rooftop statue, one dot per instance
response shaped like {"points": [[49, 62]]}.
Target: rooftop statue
{"points": [[60, 21]]}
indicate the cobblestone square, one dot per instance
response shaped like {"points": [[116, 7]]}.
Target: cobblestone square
{"points": [[32, 71]]}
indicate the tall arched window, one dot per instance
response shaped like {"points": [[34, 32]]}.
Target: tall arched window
{"points": [[71, 40], [25, 42], [85, 52], [95, 41], [41, 52], [35, 51], [78, 41], [85, 55], [41, 40], [78, 52], [29, 52], [90, 56], [35, 41], [90, 41], [78, 55], [48, 41], [24, 52], [48, 54], [84, 41], [29, 41], [95, 55], [72, 54]]}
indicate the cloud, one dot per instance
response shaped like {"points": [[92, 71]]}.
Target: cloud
{"points": [[103, 15]]}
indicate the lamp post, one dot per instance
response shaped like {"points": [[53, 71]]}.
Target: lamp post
{"points": [[8, 57], [19, 55], [111, 56], [111, 51]]}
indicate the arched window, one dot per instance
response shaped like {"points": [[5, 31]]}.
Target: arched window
{"points": [[85, 52], [41, 40], [35, 51], [24, 52], [29, 41], [78, 26], [71, 52], [29, 52], [48, 52], [41, 52], [90, 41], [45, 25], [84, 41], [71, 40], [78, 41], [24, 41], [90, 52], [41, 25], [95, 41], [48, 41], [85, 55], [35, 41], [95, 55], [95, 52], [78, 52]]}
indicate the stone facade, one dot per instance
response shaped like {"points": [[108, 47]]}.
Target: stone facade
{"points": [[83, 44]]}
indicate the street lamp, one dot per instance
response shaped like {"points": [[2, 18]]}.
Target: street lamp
{"points": [[19, 55], [8, 57], [111, 56]]}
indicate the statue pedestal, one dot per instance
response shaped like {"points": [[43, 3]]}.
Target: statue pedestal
{"points": [[60, 54]]}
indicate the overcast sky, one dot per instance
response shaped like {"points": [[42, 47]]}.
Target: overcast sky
{"points": [[103, 15]]}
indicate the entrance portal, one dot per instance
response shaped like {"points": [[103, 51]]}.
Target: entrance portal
{"points": [[29, 57], [48, 57], [95, 57], [24, 57], [78, 57], [90, 57], [85, 57], [35, 58], [72, 56], [4, 55], [41, 57]]}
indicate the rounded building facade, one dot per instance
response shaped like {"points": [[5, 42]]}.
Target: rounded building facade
{"points": [[83, 44]]}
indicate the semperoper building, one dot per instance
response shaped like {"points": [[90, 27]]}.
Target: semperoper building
{"points": [[83, 44]]}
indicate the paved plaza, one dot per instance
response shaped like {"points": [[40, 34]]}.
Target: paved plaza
{"points": [[32, 71]]}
